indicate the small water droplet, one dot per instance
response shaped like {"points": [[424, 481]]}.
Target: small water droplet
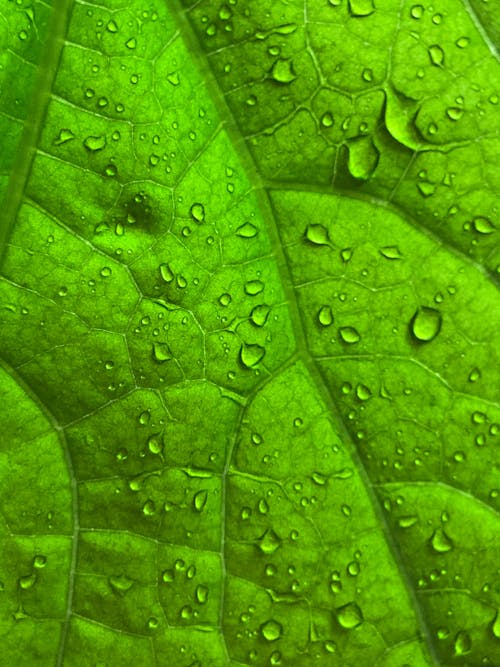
{"points": [[161, 352], [94, 144], [200, 500], [462, 644], [360, 8], [120, 584]]}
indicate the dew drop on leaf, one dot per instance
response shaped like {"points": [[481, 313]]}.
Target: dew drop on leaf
{"points": [[259, 315], [407, 521], [360, 8], [200, 500], [462, 644], [425, 324], [251, 354], [63, 137], [363, 393], [391, 252], [317, 235], [269, 542], [94, 144], [120, 584], [201, 594], [483, 225], [197, 212], [436, 55], [166, 273], [325, 316], [349, 616], [440, 542], [271, 630], [247, 230], [254, 287], [161, 352], [349, 335], [282, 71], [28, 581]]}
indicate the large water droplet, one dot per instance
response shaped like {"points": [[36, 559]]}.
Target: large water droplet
{"points": [[436, 55], [282, 71], [360, 8], [462, 644], [317, 235], [425, 324], [349, 616], [120, 584], [440, 542], [271, 630], [251, 354]]}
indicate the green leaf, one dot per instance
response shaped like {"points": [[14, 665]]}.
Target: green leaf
{"points": [[250, 322]]}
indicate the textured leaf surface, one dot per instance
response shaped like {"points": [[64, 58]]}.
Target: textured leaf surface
{"points": [[250, 333]]}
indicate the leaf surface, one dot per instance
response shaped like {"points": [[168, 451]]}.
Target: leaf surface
{"points": [[250, 326]]}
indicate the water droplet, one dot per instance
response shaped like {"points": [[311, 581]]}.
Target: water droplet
{"points": [[269, 542], [131, 43], [200, 500], [254, 287], [251, 354], [425, 324], [317, 235], [155, 444], [28, 581], [318, 478], [346, 254], [325, 316], [225, 299], [282, 71], [94, 144], [197, 212], [454, 113], [363, 393], [360, 8], [201, 594], [363, 158], [349, 335], [120, 584], [39, 561], [440, 541], [462, 644], [416, 12], [149, 508], [495, 625], [327, 119], [271, 630], [349, 616], [436, 55], [483, 225], [259, 315], [105, 272], [161, 352], [353, 568], [166, 273], [391, 252], [247, 231], [63, 136], [407, 521]]}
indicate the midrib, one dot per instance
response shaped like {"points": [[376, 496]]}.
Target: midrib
{"points": [[42, 89]]}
